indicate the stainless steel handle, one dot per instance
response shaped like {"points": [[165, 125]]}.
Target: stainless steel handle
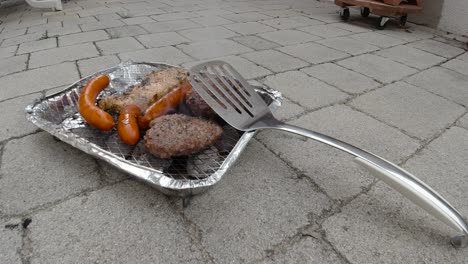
{"points": [[402, 181]]}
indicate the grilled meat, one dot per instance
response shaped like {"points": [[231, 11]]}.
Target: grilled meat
{"points": [[153, 87], [180, 135], [198, 106]]}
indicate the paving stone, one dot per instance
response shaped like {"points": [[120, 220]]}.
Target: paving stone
{"points": [[463, 122], [409, 35], [213, 48], [37, 80], [65, 30], [288, 110], [32, 46], [62, 54], [11, 241], [463, 57], [62, 17], [161, 39], [242, 8], [73, 21], [331, 169], [23, 38], [118, 45], [90, 66], [274, 60], [174, 16], [249, 28], [348, 45], [126, 218], [204, 34], [309, 250], [110, 16], [99, 10], [457, 65], [411, 56], [246, 68], [437, 48], [307, 91], [38, 176], [255, 42], [44, 27], [168, 26], [351, 27], [83, 37], [211, 21], [8, 52], [326, 18], [146, 12], [13, 64], [400, 104], [344, 79], [15, 123], [246, 17], [444, 82], [281, 13], [256, 200], [126, 31], [28, 22], [12, 33], [137, 20], [168, 55], [325, 31], [314, 53], [384, 217], [101, 25], [288, 37], [291, 22], [377, 39], [213, 12], [381, 69]]}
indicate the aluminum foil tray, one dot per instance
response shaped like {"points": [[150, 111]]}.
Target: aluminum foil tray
{"points": [[182, 176]]}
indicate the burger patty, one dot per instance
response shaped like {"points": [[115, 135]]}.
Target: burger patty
{"points": [[198, 106], [180, 135]]}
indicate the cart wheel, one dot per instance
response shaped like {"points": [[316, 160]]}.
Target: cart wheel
{"points": [[381, 23], [344, 14], [365, 11], [403, 20]]}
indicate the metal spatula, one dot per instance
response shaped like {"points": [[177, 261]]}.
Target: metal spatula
{"points": [[231, 96]]}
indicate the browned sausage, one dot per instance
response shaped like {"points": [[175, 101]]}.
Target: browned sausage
{"points": [[127, 127], [94, 115]]}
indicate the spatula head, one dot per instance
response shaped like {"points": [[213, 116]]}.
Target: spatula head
{"points": [[228, 93]]}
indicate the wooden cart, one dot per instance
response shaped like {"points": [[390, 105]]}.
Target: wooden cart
{"points": [[381, 9]]}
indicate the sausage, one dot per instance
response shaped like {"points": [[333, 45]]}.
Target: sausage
{"points": [[163, 105], [127, 127], [94, 115]]}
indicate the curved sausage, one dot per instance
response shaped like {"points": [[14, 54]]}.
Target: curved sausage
{"points": [[94, 115], [127, 127], [163, 105]]}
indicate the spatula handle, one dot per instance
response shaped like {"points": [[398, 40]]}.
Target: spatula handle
{"points": [[402, 181]]}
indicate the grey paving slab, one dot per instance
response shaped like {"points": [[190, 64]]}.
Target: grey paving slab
{"points": [[28, 22], [314, 53], [37, 80], [308, 250], [125, 218], [356, 28], [457, 65], [167, 26], [212, 20], [274, 60], [137, 20], [332, 170], [288, 110], [437, 48], [146, 12], [12, 33], [32, 46], [23, 38], [463, 57], [72, 21], [15, 123], [245, 17], [384, 217], [13, 64], [49, 171], [305, 90], [291, 22], [110, 16], [90, 66], [62, 54], [62, 17], [463, 122], [101, 25], [348, 45], [213, 11], [65, 30], [407, 35], [8, 52], [118, 45], [411, 56], [444, 82], [169, 55], [162, 39], [126, 31], [11, 241], [288, 37], [258, 204], [99, 10], [255, 42], [174, 16], [213, 48], [342, 78], [82, 37], [377, 39], [412, 109], [207, 33], [44, 27], [281, 13], [326, 18], [379, 68], [249, 28], [325, 31]]}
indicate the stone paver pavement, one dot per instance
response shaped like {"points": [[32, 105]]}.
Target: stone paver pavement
{"points": [[401, 93]]}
